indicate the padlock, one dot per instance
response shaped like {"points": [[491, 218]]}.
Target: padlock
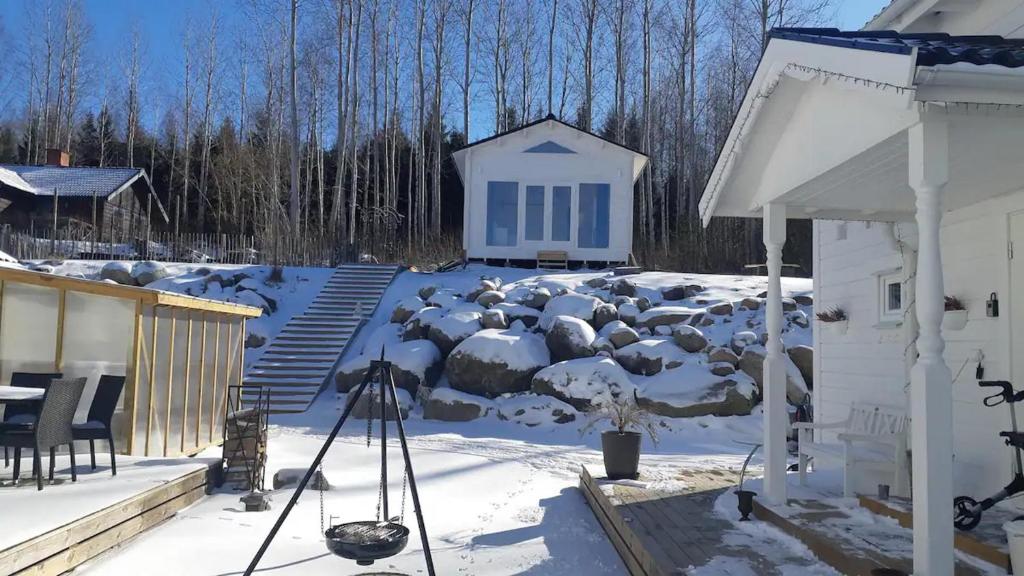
{"points": [[992, 306]]}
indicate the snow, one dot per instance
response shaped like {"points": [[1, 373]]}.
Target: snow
{"points": [[689, 384], [576, 305], [450, 395], [580, 333], [594, 379], [457, 325], [8, 260], [517, 350]]}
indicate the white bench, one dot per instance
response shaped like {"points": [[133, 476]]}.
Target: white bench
{"points": [[873, 437]]}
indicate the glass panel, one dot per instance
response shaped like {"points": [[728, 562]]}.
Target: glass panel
{"points": [[561, 213], [28, 342], [594, 214], [895, 297], [534, 212], [502, 213]]}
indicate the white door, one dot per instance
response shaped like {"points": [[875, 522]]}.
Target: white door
{"points": [[1012, 304]]}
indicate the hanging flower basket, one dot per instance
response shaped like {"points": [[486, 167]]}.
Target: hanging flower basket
{"points": [[833, 320], [837, 327], [954, 320]]}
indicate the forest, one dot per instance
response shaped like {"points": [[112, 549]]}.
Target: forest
{"points": [[335, 119]]}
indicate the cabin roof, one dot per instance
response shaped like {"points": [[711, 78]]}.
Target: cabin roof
{"points": [[548, 118]]}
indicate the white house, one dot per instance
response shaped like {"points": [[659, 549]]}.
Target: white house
{"points": [[905, 143], [548, 186]]}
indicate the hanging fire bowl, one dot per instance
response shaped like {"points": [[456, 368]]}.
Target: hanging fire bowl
{"points": [[366, 541]]}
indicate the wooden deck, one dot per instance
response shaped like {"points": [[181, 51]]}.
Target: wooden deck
{"points": [[660, 532], [81, 536]]}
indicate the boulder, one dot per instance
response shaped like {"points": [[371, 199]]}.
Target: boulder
{"points": [[253, 340], [570, 338], [361, 408], [405, 308], [495, 319], [610, 327], [804, 300], [490, 298], [147, 272], [803, 357], [723, 355], [415, 363], [752, 363], [664, 316], [583, 382], [720, 309], [644, 303], [620, 300], [689, 338], [698, 319], [628, 313], [623, 336], [603, 346], [532, 410], [120, 272], [450, 405], [599, 282], [290, 476], [604, 314], [741, 340], [690, 395], [722, 369], [444, 298], [425, 292], [681, 291], [751, 303], [649, 356], [799, 318], [453, 328], [623, 287], [418, 325], [572, 304], [494, 362], [519, 312], [538, 298], [788, 305], [662, 330]]}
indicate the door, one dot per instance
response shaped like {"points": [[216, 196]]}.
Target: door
{"points": [[1015, 299]]}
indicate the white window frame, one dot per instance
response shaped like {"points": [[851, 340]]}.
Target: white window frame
{"points": [[887, 315]]}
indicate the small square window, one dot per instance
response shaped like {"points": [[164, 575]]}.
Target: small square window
{"points": [[890, 308]]}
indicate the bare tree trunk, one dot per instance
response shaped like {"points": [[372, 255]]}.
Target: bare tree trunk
{"points": [[589, 23], [204, 160], [619, 28], [551, 51], [418, 221], [467, 19], [526, 61], [354, 124], [293, 110], [441, 9], [133, 96], [500, 57]]}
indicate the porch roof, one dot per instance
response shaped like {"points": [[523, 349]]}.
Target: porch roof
{"points": [[823, 126]]}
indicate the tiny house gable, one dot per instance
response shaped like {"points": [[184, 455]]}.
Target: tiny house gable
{"points": [[548, 186]]}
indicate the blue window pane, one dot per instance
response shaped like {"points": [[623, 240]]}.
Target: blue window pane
{"points": [[534, 212], [549, 147], [594, 214], [561, 213], [502, 213]]}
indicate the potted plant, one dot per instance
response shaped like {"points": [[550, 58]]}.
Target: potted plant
{"points": [[955, 317], [834, 319], [621, 445]]}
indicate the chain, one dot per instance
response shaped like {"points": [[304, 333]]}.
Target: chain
{"points": [[369, 415], [405, 482], [321, 487]]}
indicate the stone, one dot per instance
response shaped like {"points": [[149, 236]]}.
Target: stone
{"points": [[490, 298], [724, 398], [721, 309], [643, 303], [599, 282], [803, 357], [584, 382], [119, 272], [572, 304], [414, 364], [623, 336], [623, 287], [662, 330], [752, 363], [519, 312], [799, 318], [707, 321], [253, 340], [677, 292], [723, 369], [146, 272], [448, 405], [570, 338], [763, 294], [604, 314], [788, 305], [741, 340], [425, 292], [405, 308], [628, 313], [751, 303], [697, 318], [689, 338], [291, 476], [603, 345], [494, 319], [444, 298], [447, 332], [663, 316], [647, 357], [494, 362], [538, 298], [722, 354], [531, 410], [804, 300], [418, 326], [620, 300]]}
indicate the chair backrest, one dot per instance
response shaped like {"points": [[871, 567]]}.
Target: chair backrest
{"points": [[877, 420], [28, 380], [53, 428], [104, 402]]}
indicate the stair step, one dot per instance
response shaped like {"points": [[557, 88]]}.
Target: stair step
{"points": [[276, 382], [279, 393]]}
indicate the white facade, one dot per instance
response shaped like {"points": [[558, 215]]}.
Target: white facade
{"points": [[573, 169]]}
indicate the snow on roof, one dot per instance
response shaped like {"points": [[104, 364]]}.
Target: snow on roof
{"points": [[70, 180], [14, 180]]}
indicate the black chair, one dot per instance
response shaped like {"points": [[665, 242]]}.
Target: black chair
{"points": [[20, 414], [51, 429], [101, 412]]}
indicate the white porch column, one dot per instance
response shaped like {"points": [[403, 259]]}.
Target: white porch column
{"points": [[776, 415], [931, 393]]}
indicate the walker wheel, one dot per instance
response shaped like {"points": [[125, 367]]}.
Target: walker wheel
{"points": [[964, 516]]}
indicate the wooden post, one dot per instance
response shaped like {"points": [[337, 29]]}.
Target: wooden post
{"points": [[2, 285], [216, 380], [58, 352], [241, 358], [131, 393], [188, 375], [776, 415], [53, 239], [170, 381], [95, 230], [202, 376], [152, 380]]}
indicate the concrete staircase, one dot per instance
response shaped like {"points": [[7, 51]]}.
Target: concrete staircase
{"points": [[303, 355]]}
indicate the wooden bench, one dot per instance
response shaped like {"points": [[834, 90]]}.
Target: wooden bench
{"points": [[873, 437], [553, 259]]}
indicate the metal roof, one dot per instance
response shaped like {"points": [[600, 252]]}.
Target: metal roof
{"points": [[932, 48], [75, 180]]}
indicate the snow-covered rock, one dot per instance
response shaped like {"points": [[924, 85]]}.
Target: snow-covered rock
{"points": [[720, 309], [603, 345], [741, 340], [664, 316], [692, 390], [453, 328], [689, 338], [494, 319], [610, 327], [493, 362], [405, 308], [572, 304], [415, 363], [623, 336], [649, 356], [537, 298], [531, 410], [722, 354], [120, 272], [425, 292], [444, 298], [628, 313], [803, 357], [604, 314], [722, 369], [418, 325], [623, 287], [583, 382], [681, 291], [751, 303], [570, 338], [450, 405], [527, 315], [146, 272], [490, 298], [752, 363], [598, 282]]}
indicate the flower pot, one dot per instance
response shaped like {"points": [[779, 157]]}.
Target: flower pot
{"points": [[745, 503], [838, 327], [621, 454], [954, 319]]}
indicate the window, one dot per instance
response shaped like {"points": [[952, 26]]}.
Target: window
{"points": [[890, 291], [561, 213], [534, 212], [593, 214], [502, 213], [549, 147]]}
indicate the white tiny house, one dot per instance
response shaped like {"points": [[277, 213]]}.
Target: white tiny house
{"points": [[548, 186]]}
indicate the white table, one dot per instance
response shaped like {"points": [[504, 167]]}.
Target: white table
{"points": [[18, 394]]}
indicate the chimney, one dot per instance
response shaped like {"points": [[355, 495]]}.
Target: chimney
{"points": [[57, 157]]}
